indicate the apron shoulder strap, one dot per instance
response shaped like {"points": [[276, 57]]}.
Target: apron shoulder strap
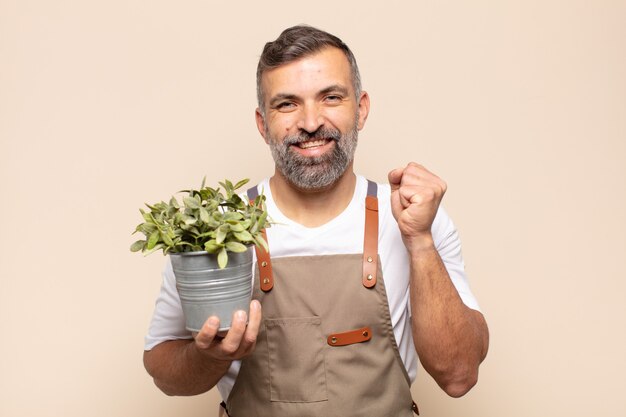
{"points": [[372, 188], [252, 193], [266, 279], [370, 241]]}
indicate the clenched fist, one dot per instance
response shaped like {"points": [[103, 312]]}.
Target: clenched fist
{"points": [[415, 197]]}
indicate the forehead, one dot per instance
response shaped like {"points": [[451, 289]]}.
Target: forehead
{"points": [[309, 74]]}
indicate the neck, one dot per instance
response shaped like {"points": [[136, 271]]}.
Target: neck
{"points": [[313, 208]]}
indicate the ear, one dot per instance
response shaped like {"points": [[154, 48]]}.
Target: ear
{"points": [[260, 123], [364, 109]]}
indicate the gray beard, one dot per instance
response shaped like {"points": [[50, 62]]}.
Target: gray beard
{"points": [[318, 172]]}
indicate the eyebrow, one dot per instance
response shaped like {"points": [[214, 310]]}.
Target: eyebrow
{"points": [[335, 88], [280, 97]]}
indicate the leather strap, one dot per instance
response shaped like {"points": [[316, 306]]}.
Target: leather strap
{"points": [[348, 338], [370, 241], [266, 279]]}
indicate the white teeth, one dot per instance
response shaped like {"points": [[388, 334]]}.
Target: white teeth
{"points": [[312, 144]]}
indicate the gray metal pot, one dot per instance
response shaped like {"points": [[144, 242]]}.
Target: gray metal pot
{"points": [[206, 290]]}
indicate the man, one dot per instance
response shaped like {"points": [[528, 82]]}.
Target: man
{"points": [[364, 278]]}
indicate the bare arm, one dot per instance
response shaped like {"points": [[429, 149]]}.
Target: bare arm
{"points": [[190, 367], [451, 339]]}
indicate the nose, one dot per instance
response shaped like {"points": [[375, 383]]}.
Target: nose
{"points": [[310, 118]]}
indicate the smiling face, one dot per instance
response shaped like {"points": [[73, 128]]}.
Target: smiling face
{"points": [[311, 118]]}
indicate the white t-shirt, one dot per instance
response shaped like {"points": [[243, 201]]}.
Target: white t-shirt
{"points": [[342, 235]]}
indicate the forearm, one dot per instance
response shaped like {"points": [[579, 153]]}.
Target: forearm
{"points": [[179, 368], [450, 338]]}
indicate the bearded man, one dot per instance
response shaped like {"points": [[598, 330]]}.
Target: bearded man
{"points": [[360, 281]]}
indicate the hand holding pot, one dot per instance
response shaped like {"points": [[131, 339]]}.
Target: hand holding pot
{"points": [[238, 342]]}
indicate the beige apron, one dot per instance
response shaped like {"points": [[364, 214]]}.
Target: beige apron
{"points": [[326, 345]]}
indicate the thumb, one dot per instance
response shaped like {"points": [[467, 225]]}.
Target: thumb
{"points": [[395, 177]]}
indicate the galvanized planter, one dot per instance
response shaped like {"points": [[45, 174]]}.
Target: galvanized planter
{"points": [[206, 290]]}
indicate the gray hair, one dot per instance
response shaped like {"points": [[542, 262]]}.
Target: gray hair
{"points": [[297, 42]]}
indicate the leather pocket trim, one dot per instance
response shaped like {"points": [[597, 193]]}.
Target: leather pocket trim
{"points": [[351, 337]]}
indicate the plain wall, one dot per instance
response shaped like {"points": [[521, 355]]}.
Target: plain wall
{"points": [[519, 105]]}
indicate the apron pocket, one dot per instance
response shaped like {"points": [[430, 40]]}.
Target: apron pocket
{"points": [[296, 359]]}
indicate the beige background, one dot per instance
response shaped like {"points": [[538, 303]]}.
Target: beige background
{"points": [[519, 105]]}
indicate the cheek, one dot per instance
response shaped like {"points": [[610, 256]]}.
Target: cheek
{"points": [[282, 126], [343, 118]]}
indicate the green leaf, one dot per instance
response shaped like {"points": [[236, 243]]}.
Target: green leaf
{"points": [[149, 227], [236, 247], [189, 219], [261, 242], [204, 215], [232, 215], [212, 247], [174, 203], [222, 231], [212, 205], [244, 236], [191, 202], [166, 239], [236, 227], [156, 248], [242, 183], [146, 228], [222, 258], [153, 240], [146, 216], [137, 246]]}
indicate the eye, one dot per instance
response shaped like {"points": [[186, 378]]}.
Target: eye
{"points": [[333, 99], [285, 106]]}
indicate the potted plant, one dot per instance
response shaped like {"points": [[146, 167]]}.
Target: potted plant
{"points": [[209, 237]]}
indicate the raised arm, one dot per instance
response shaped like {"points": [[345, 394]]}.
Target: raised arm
{"points": [[190, 367], [450, 338]]}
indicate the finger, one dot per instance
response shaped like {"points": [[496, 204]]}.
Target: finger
{"points": [[205, 337], [404, 197], [416, 173], [418, 194], [419, 169], [254, 323], [231, 342], [409, 174], [423, 179], [395, 178]]}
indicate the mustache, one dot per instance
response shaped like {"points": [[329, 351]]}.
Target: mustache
{"points": [[321, 133]]}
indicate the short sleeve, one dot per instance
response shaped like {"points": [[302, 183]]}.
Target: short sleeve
{"points": [[448, 245], [168, 321]]}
